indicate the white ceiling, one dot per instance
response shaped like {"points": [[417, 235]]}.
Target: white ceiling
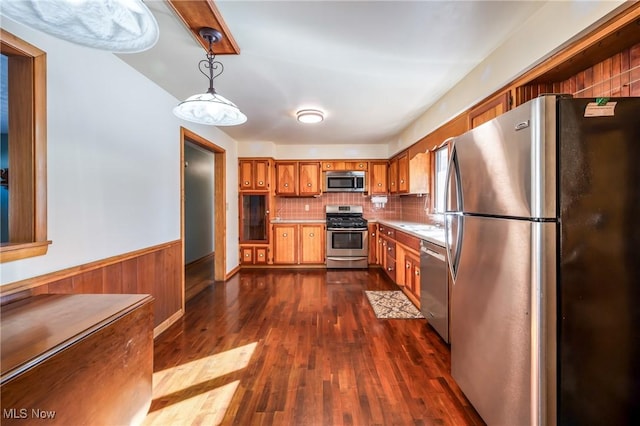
{"points": [[372, 66]]}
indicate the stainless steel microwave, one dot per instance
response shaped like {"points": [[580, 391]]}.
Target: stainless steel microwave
{"points": [[344, 181]]}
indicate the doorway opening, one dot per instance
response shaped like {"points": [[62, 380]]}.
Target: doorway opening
{"points": [[202, 266]]}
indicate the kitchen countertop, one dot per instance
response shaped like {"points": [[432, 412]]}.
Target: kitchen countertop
{"points": [[433, 234], [280, 220]]}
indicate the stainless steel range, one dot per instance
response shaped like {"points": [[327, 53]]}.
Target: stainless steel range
{"points": [[347, 237]]}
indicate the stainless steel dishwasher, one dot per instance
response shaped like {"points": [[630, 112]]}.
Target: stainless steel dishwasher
{"points": [[434, 287]]}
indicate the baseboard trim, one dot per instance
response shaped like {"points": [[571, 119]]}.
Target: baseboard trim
{"points": [[232, 273], [163, 326], [202, 259]]}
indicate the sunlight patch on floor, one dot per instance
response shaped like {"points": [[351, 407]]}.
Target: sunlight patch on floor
{"points": [[197, 391]]}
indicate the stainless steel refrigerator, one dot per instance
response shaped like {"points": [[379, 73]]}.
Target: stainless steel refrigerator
{"points": [[543, 241]]}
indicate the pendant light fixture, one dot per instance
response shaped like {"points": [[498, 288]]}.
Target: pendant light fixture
{"points": [[122, 26], [210, 108]]}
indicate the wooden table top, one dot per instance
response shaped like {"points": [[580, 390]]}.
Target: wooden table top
{"points": [[36, 328]]}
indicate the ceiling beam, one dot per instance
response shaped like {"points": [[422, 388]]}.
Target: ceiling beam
{"points": [[196, 14]]}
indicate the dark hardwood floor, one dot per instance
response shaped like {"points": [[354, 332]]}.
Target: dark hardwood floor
{"points": [[282, 347]]}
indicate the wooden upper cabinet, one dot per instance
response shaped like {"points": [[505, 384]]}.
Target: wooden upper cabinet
{"points": [[309, 176], [286, 177], [356, 165], [413, 173], [489, 110], [393, 175], [420, 173], [378, 171], [403, 173], [329, 166], [341, 165], [255, 174]]}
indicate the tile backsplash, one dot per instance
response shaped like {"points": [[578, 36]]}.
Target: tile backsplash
{"points": [[406, 208]]}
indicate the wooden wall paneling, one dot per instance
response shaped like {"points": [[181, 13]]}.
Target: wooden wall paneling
{"points": [[112, 279], [624, 77], [64, 286], [634, 66], [147, 279], [616, 78], [155, 270], [175, 273], [88, 282], [130, 276]]}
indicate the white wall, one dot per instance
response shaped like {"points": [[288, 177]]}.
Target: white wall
{"points": [[551, 27], [113, 160], [312, 152]]}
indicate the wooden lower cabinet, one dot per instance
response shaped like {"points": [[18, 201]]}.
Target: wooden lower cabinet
{"points": [[373, 244], [398, 254], [285, 244], [389, 255], [295, 244], [254, 254], [312, 243], [412, 277]]}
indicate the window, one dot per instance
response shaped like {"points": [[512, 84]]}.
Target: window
{"points": [[24, 160], [442, 160]]}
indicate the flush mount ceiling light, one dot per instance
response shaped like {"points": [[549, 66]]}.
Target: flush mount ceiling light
{"points": [[123, 26], [310, 116], [210, 108]]}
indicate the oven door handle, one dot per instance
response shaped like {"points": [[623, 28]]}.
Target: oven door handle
{"points": [[347, 259], [346, 229]]}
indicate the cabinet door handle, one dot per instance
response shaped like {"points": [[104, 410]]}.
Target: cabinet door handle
{"points": [[286, 185], [401, 180], [417, 272], [261, 255], [309, 184], [311, 235], [284, 234], [379, 184], [260, 182], [408, 266], [246, 255], [246, 182]]}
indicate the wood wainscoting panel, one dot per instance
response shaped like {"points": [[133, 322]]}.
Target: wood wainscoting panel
{"points": [[156, 270]]}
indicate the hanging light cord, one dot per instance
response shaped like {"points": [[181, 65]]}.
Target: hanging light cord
{"points": [[211, 64]]}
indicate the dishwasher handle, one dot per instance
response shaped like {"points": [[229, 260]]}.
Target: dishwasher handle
{"points": [[433, 254]]}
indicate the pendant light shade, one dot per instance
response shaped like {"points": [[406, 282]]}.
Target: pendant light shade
{"points": [[209, 107], [122, 26]]}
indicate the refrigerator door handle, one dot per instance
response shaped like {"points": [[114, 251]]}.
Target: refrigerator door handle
{"points": [[452, 188], [454, 220]]}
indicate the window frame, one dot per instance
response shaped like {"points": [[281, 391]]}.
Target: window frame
{"points": [[443, 146], [28, 149]]}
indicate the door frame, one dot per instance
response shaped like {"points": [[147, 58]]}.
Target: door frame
{"points": [[219, 201]]}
